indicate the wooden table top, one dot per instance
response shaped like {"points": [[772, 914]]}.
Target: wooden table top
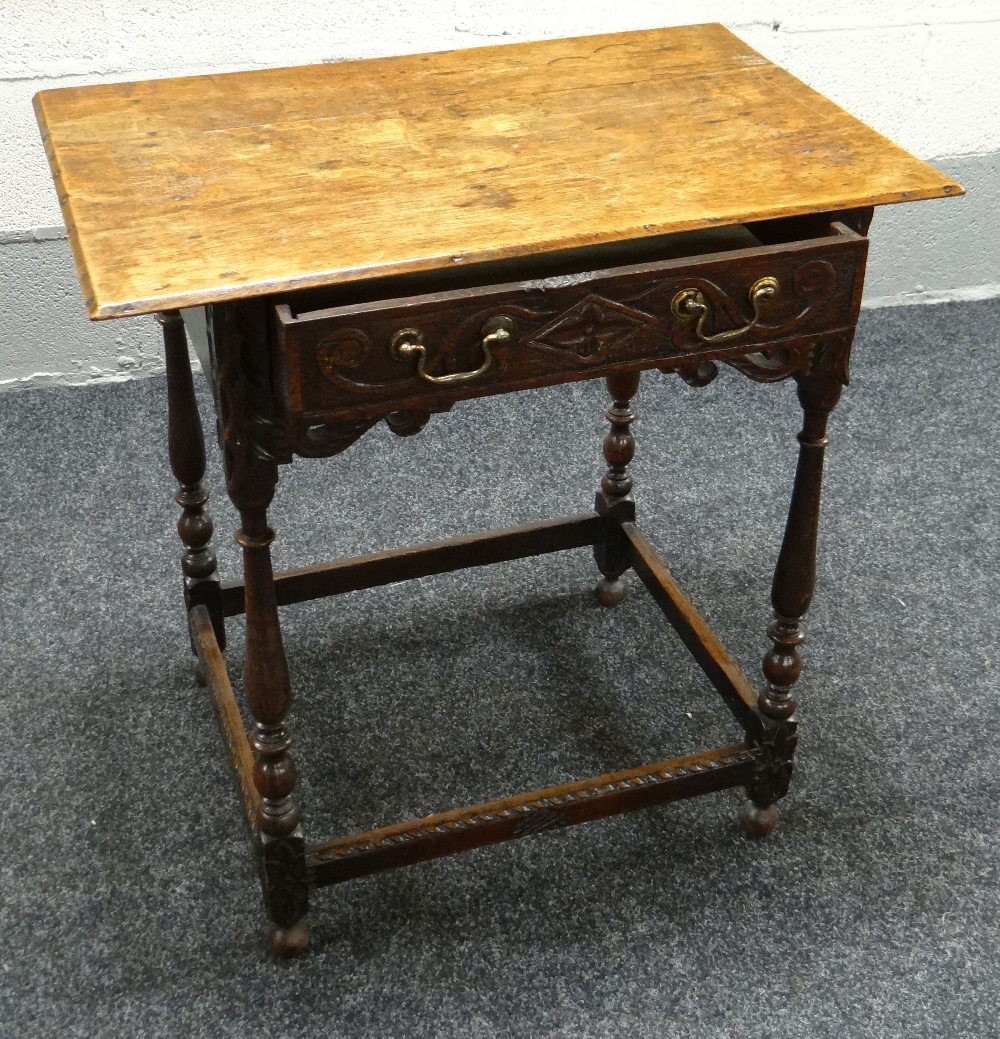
{"points": [[179, 192]]}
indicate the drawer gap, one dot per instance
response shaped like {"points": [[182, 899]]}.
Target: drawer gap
{"points": [[562, 264]]}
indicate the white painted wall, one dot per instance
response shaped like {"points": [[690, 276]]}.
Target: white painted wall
{"points": [[923, 72]]}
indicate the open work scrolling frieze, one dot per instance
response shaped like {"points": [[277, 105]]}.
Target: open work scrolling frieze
{"points": [[828, 351], [765, 326], [571, 330]]}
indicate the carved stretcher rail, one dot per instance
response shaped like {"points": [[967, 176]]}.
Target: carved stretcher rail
{"points": [[524, 814]]}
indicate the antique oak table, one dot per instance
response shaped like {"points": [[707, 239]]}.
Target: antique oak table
{"points": [[382, 239]]}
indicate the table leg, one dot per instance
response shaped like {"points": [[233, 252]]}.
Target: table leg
{"points": [[614, 499], [819, 388], [250, 435], [268, 694], [186, 447]]}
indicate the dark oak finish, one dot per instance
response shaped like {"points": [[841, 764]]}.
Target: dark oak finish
{"points": [[614, 501], [819, 388], [570, 326], [381, 240], [265, 683], [522, 815], [248, 420], [186, 448], [262, 387], [351, 575]]}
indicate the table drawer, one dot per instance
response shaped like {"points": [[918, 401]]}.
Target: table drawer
{"points": [[426, 350]]}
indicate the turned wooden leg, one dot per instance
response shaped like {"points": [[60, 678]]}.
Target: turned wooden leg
{"points": [[268, 694], [791, 593], [186, 446], [614, 500], [251, 435]]}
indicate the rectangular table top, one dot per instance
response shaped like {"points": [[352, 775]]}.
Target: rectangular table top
{"points": [[179, 192]]}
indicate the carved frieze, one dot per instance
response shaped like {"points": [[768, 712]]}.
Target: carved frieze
{"points": [[563, 330], [768, 316]]}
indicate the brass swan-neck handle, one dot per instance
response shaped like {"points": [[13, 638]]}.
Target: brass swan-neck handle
{"points": [[409, 342], [689, 304]]}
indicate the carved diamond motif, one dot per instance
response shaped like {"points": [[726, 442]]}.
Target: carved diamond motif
{"points": [[590, 330]]}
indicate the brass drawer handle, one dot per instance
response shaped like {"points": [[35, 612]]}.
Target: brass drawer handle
{"points": [[409, 342], [691, 303]]}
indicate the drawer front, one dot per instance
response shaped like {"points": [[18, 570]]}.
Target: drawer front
{"points": [[425, 352]]}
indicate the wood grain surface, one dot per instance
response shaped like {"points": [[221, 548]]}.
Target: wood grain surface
{"points": [[178, 192]]}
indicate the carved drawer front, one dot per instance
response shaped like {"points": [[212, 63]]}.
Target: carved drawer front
{"points": [[422, 352]]}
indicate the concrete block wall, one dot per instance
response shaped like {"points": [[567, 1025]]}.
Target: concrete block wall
{"points": [[922, 72]]}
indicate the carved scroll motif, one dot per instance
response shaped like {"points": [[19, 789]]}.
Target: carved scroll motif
{"points": [[342, 355], [825, 356], [769, 365], [630, 322], [325, 439], [593, 330], [811, 288]]}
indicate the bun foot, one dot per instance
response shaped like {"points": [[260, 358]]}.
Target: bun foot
{"points": [[290, 941], [610, 593], [758, 822]]}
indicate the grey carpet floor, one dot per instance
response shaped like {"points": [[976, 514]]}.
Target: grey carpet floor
{"points": [[129, 905]]}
